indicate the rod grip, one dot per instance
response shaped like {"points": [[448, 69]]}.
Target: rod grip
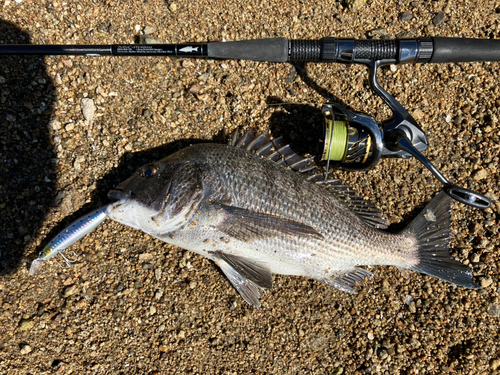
{"points": [[450, 50], [273, 50]]}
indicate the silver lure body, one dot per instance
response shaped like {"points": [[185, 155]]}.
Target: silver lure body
{"points": [[69, 236], [253, 217]]}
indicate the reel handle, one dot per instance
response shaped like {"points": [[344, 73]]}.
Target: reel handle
{"points": [[466, 196], [399, 140]]}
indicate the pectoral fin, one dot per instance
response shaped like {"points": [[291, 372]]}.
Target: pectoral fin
{"points": [[247, 225], [247, 276]]}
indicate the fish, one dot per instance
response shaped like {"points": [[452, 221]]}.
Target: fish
{"points": [[67, 237], [256, 208]]}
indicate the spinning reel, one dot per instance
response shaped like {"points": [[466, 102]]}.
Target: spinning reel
{"points": [[354, 141]]}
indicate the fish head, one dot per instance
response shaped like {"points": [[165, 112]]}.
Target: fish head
{"points": [[159, 197]]}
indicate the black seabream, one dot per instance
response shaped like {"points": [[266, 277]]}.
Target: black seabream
{"points": [[256, 208]]}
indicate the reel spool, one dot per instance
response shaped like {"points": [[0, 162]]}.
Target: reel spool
{"points": [[353, 140]]}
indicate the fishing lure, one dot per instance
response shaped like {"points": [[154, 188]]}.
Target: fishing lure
{"points": [[69, 236]]}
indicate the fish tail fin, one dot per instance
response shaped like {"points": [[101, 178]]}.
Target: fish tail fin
{"points": [[432, 228]]}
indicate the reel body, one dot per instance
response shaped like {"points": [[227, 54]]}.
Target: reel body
{"points": [[355, 141]]}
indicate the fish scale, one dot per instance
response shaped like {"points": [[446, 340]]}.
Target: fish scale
{"points": [[255, 216]]}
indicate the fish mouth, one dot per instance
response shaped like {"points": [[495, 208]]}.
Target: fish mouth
{"points": [[119, 196]]}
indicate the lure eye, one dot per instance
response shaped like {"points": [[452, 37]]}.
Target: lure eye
{"points": [[149, 172]]}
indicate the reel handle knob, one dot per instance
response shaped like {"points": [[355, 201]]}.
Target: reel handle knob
{"points": [[466, 196]]}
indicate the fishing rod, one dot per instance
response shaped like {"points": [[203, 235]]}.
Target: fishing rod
{"points": [[353, 140]]}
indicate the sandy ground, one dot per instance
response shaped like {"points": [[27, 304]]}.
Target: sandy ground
{"points": [[132, 304]]}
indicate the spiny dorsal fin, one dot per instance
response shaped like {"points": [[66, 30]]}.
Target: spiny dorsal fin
{"points": [[283, 154], [273, 149]]}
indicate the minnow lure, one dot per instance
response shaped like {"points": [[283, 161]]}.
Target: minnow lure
{"points": [[69, 236]]}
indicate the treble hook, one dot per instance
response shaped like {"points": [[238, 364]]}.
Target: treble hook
{"points": [[68, 261]]}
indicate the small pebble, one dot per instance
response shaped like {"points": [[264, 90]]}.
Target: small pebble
{"points": [[26, 324], [413, 308], [355, 5], [158, 294], [150, 40], [418, 114], [495, 364], [26, 349], [486, 282], [494, 310], [55, 124], [439, 18], [70, 291], [147, 114], [149, 30], [195, 89], [480, 174], [377, 32], [144, 257], [158, 274], [88, 109], [405, 16]]}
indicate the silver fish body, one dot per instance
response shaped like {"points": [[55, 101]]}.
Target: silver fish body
{"points": [[253, 217]]}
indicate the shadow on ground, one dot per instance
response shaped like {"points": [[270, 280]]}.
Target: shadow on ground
{"points": [[27, 166]]}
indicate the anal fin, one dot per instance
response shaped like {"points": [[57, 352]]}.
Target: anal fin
{"points": [[247, 276], [348, 282]]}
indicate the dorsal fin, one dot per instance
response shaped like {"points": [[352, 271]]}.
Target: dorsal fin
{"points": [[276, 150], [273, 149], [365, 209]]}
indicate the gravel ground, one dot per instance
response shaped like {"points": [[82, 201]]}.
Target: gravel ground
{"points": [[132, 304]]}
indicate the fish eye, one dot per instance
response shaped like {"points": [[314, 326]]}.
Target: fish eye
{"points": [[149, 172]]}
